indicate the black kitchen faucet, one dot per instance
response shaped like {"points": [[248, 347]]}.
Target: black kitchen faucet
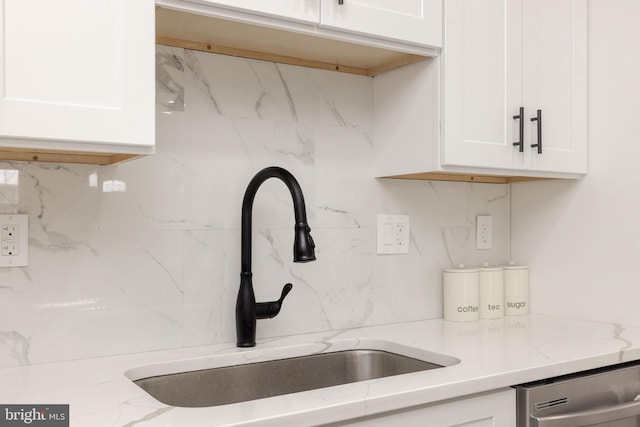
{"points": [[247, 310]]}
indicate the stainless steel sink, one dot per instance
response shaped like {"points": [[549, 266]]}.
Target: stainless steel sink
{"points": [[240, 383]]}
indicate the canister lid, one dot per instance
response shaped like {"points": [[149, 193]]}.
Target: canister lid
{"points": [[461, 269], [512, 266], [486, 268]]}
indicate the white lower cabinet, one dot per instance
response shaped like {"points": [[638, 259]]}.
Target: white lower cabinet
{"points": [[492, 409]]}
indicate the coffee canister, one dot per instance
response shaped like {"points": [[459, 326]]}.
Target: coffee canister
{"points": [[516, 289], [461, 294], [491, 281]]}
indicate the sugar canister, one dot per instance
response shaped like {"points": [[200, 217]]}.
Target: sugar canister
{"points": [[516, 289]]}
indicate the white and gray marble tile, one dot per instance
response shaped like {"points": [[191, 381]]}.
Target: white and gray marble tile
{"points": [[347, 196], [238, 87], [211, 280], [170, 79], [57, 197], [145, 255]]}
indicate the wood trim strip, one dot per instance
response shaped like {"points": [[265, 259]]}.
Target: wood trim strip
{"points": [[434, 176], [271, 57], [401, 62], [489, 179], [25, 155], [262, 56]]}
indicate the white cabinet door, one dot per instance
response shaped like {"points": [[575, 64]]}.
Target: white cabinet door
{"points": [[297, 10], [413, 21], [555, 82], [77, 75], [495, 409], [501, 55], [482, 84]]}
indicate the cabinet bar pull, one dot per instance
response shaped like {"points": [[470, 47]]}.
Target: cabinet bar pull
{"points": [[538, 118], [340, 1], [520, 143]]}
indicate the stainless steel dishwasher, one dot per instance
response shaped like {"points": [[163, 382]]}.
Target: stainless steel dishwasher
{"points": [[602, 397]]}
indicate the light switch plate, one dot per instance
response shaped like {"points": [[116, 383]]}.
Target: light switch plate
{"points": [[393, 234], [14, 240]]}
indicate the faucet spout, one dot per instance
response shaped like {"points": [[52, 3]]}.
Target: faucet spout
{"points": [[247, 310]]}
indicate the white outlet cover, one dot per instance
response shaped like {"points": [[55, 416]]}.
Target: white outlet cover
{"points": [[484, 232], [393, 234], [19, 257]]}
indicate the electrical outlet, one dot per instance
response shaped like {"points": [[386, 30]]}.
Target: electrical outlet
{"points": [[14, 240], [484, 232], [393, 234]]}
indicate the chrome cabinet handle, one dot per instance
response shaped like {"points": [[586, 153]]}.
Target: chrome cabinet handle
{"points": [[589, 417], [520, 143], [340, 1], [538, 118]]}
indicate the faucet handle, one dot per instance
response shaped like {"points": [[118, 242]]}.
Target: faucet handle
{"points": [[267, 310]]}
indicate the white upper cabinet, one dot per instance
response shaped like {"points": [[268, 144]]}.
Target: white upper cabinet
{"points": [[366, 37], [412, 21], [499, 57], [418, 22], [555, 82], [504, 55], [482, 85], [297, 10], [77, 78]]}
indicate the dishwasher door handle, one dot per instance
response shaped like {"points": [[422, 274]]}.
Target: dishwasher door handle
{"points": [[589, 417]]}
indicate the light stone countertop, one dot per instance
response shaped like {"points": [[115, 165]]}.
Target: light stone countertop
{"points": [[493, 354]]}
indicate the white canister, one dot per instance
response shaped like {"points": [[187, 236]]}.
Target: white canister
{"points": [[461, 294], [491, 292], [516, 289]]}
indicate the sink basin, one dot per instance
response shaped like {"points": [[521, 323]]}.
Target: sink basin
{"points": [[256, 380]]}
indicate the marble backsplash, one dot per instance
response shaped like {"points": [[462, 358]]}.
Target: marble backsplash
{"points": [[145, 255]]}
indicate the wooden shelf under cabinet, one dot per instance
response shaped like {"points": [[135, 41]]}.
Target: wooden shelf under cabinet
{"points": [[458, 177], [226, 37], [53, 156]]}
